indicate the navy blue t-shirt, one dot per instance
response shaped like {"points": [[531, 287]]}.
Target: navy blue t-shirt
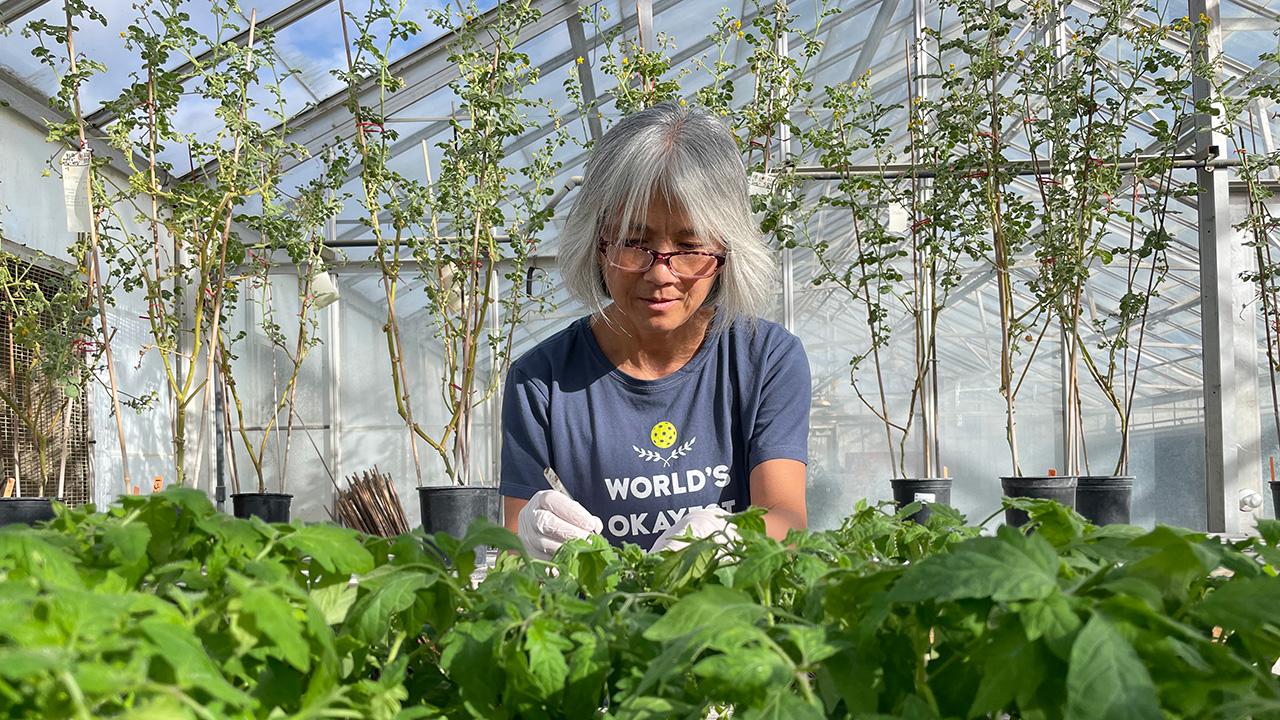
{"points": [[638, 454]]}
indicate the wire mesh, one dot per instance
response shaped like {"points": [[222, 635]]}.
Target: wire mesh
{"points": [[19, 458]]}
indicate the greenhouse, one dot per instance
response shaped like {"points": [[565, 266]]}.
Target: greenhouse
{"points": [[829, 358]]}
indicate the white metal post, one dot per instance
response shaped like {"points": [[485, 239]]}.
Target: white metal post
{"points": [[788, 259], [1232, 426]]}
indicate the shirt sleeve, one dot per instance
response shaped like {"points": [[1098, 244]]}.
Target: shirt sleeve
{"points": [[782, 420], [525, 441]]}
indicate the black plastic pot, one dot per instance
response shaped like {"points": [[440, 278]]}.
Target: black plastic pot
{"points": [[926, 491], [1061, 488], [1275, 497], [451, 509], [1104, 499], [271, 507], [25, 511]]}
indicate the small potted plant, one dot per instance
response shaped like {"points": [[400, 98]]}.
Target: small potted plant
{"points": [[45, 331]]}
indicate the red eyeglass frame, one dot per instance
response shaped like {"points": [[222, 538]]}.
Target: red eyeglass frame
{"points": [[665, 257]]}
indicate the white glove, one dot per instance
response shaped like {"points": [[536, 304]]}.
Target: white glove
{"points": [[549, 519], [698, 523]]}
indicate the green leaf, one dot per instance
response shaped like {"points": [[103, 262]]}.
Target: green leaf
{"points": [[711, 610], [179, 648], [128, 545], [334, 601], [759, 565], [468, 655], [810, 641], [1107, 678], [782, 705], [1270, 531], [22, 663], [1012, 668], [24, 553], [336, 549], [749, 670], [1008, 567], [99, 678], [276, 619], [370, 618], [1051, 617], [1173, 561], [1243, 604], [546, 647], [161, 707]]}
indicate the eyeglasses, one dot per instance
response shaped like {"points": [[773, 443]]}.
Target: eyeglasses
{"points": [[687, 264]]}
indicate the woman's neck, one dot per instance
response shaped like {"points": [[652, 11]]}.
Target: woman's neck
{"points": [[649, 356]]}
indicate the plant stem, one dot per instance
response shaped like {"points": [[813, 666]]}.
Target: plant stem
{"points": [[94, 283]]}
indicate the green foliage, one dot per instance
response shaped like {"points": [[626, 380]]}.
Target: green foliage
{"points": [[51, 323], [163, 607], [177, 234], [472, 228]]}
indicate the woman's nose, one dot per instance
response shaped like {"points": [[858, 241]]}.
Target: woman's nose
{"points": [[660, 272]]}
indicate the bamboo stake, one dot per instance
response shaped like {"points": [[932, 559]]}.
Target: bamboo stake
{"points": [[66, 449], [370, 505], [95, 286], [13, 383]]}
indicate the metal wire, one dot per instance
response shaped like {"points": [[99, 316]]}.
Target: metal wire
{"points": [[18, 457]]}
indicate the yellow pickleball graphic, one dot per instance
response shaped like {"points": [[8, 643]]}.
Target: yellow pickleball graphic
{"points": [[663, 435]]}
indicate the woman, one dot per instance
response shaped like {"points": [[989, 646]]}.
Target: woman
{"points": [[671, 405]]}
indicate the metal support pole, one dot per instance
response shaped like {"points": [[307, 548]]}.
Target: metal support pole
{"points": [[788, 260], [335, 372], [1232, 426], [926, 339], [220, 441], [1055, 37]]}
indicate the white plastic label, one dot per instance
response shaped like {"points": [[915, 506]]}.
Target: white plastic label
{"points": [[75, 189], [899, 218], [924, 497], [760, 183]]}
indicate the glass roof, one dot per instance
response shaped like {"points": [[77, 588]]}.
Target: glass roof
{"points": [[865, 35]]}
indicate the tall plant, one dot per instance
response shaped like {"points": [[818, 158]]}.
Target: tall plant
{"points": [[293, 227], [896, 274], [978, 108], [55, 41], [467, 230], [179, 241], [1084, 98]]}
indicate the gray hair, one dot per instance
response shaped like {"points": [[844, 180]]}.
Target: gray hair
{"points": [[685, 154]]}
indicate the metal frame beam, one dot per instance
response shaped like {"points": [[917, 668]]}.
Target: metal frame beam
{"points": [[284, 18], [423, 71], [11, 10]]}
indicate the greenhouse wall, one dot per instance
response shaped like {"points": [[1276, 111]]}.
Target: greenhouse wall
{"points": [[32, 213], [346, 419]]}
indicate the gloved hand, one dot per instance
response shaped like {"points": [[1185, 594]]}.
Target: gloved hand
{"points": [[549, 519], [700, 523]]}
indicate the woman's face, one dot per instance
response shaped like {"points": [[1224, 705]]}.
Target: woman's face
{"points": [[657, 301]]}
